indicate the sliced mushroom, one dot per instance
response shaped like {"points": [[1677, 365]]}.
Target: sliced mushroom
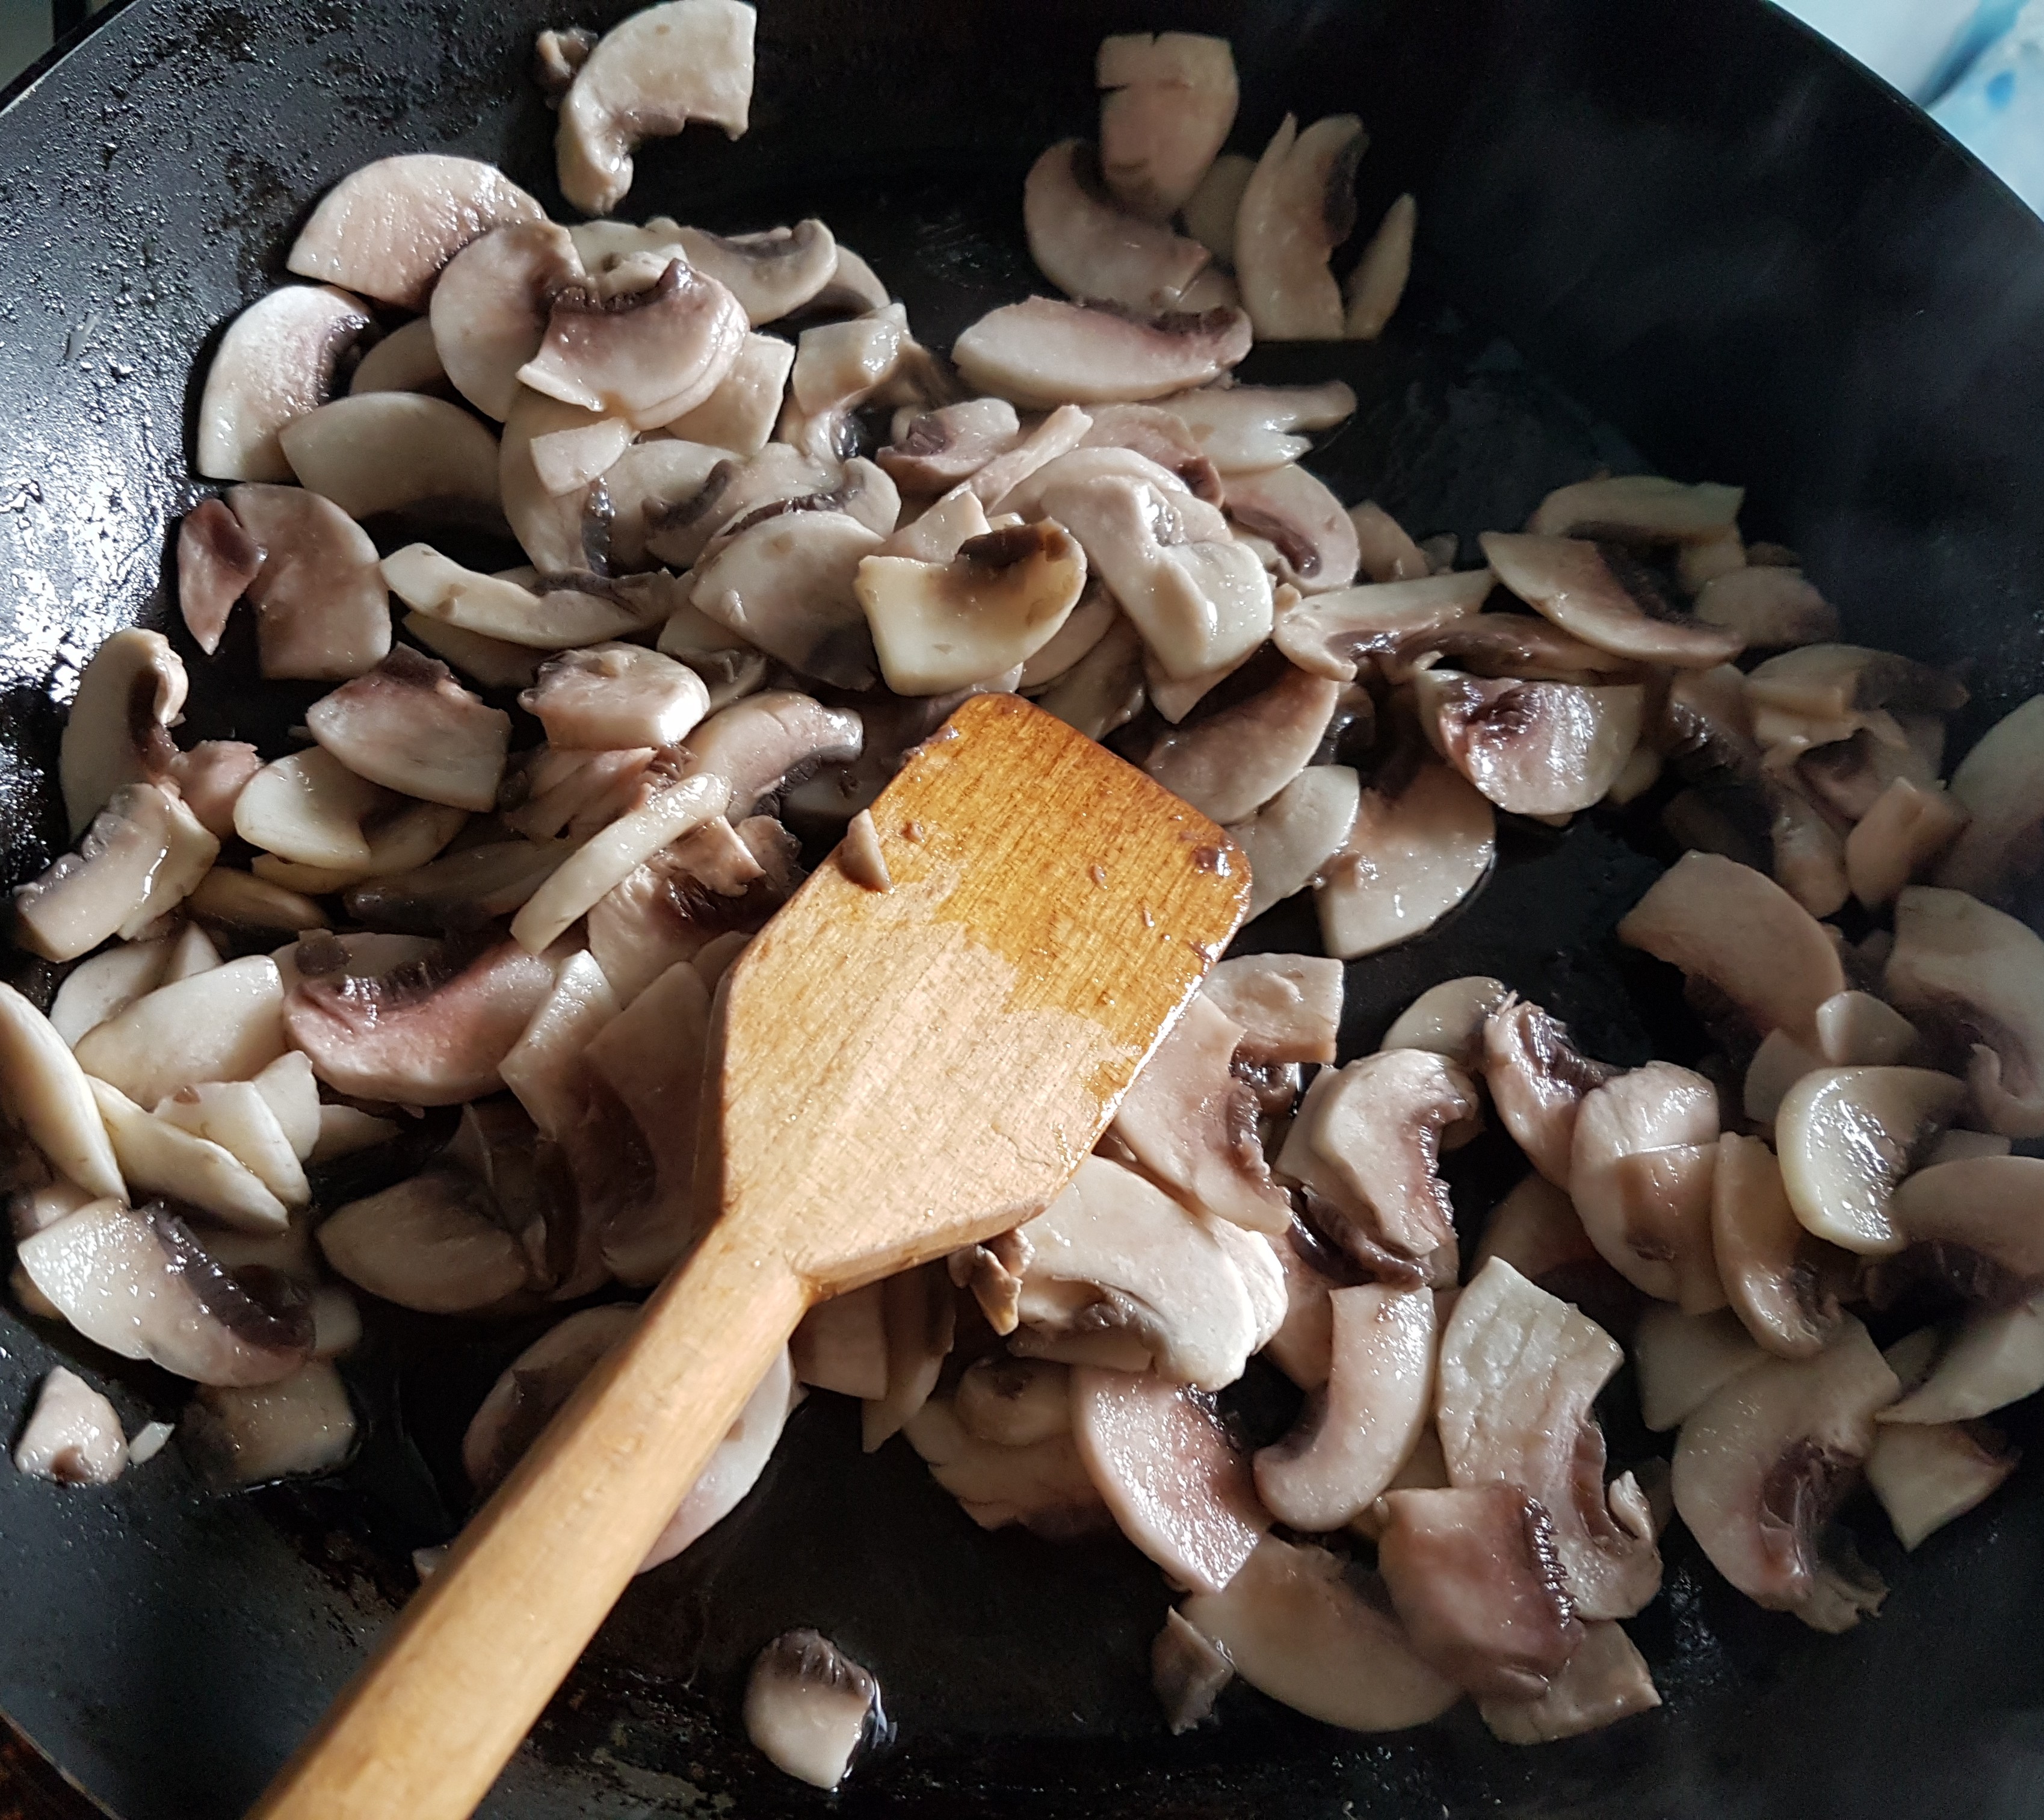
{"points": [[1681, 1360], [309, 807], [299, 1426], [404, 360], [1296, 210], [1188, 1673], [1568, 580], [1845, 684], [130, 696], [1898, 837], [1983, 1210], [1638, 508], [1212, 210], [210, 777], [1927, 1476], [217, 560], [1330, 634], [73, 1435], [1848, 1135], [490, 309], [647, 79], [1418, 847], [740, 414], [609, 697], [1534, 749], [934, 451], [1767, 607], [1760, 1468], [1042, 1485], [1778, 1276], [1538, 1079], [1376, 286], [1536, 1229], [2000, 782], [533, 1387], [1105, 689], [432, 1244], [581, 609], [138, 1282], [291, 1091], [1089, 248], [772, 274], [141, 856], [395, 451], [841, 1345], [1304, 523], [224, 1025], [47, 1098], [1973, 980], [1248, 430], [321, 608], [918, 1314], [276, 362], [1289, 841], [1168, 101], [809, 1707], [1288, 1005], [787, 585], [1606, 1679], [1045, 352], [1450, 1019], [1737, 931], [1518, 1373], [734, 1467], [161, 1157], [106, 984], [1994, 1358], [1298, 1627], [408, 726], [1228, 765]]}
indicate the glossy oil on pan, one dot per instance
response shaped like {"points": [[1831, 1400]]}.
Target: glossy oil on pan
{"points": [[1673, 233]]}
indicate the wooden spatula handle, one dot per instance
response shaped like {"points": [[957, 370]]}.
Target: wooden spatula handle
{"points": [[479, 1651]]}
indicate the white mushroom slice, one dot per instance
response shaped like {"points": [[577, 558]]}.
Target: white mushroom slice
{"points": [[276, 362], [647, 357], [1043, 1486], [138, 1284], [291, 1091], [308, 807], [841, 364], [1105, 689], [192, 953], [809, 1707], [1290, 839], [1168, 103], [220, 1025], [1534, 749], [1568, 581], [299, 1426], [854, 287], [560, 533], [1682, 1360], [1117, 1272], [106, 984], [141, 856], [490, 309], [1288, 1005], [1378, 284], [343, 1131], [734, 1467], [1638, 508], [1538, 1080], [1299, 1629], [1606, 1679], [1996, 1358], [130, 696], [1413, 853], [772, 274], [1212, 210], [1248, 430], [1959, 1146], [647, 79], [1188, 1673], [1856, 1029], [1640, 1166], [1451, 1019], [321, 608], [1897, 838], [431, 1243], [1190, 1123], [918, 1314], [787, 585], [395, 451], [570, 615], [991, 606], [46, 1097], [404, 360], [1018, 483], [739, 415], [1298, 207], [1308, 527], [1519, 1370], [1536, 1229], [401, 841], [1176, 1485], [1927, 1476], [210, 776], [1045, 352], [643, 486], [615, 696], [408, 726], [757, 745], [1735, 928], [1387, 553], [934, 451], [1014, 1402], [217, 560], [1980, 1212], [1330, 634], [158, 1157], [1089, 622], [1767, 607], [533, 1387], [1848, 1135], [1354, 1434], [1973, 979], [1841, 682], [570, 460], [1230, 765], [2000, 782], [1761, 1466], [841, 1345], [1089, 248], [1771, 1268], [73, 1435]]}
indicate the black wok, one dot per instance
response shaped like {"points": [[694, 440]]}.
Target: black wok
{"points": [[1693, 222]]}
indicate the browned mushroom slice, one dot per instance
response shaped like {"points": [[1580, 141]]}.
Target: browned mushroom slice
{"points": [[1176, 1482], [2000, 782], [1289, 841], [1761, 1467], [1606, 1679], [1983, 1210], [1995, 1357], [129, 696], [1927, 1476], [1768, 608], [276, 362], [143, 852], [1297, 209], [1168, 103], [1042, 1485], [1301, 1627], [1417, 848], [1538, 1079], [322, 612], [1356, 1431], [1089, 248], [1331, 633], [1045, 352], [1303, 521], [396, 452], [1534, 749], [1973, 980], [1378, 284], [1780, 1280], [646, 79], [1231, 763], [1568, 581], [1737, 931], [491, 308], [1519, 1371], [139, 1282], [934, 451], [408, 726], [1288, 1005], [1848, 1135], [1190, 1123], [1638, 508], [217, 560], [385, 229], [1640, 1166]]}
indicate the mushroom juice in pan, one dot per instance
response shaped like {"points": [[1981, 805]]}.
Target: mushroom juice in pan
{"points": [[770, 541]]}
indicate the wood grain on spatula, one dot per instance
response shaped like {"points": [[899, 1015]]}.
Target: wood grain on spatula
{"points": [[905, 1071]]}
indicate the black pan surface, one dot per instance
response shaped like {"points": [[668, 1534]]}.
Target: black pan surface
{"points": [[1685, 217]]}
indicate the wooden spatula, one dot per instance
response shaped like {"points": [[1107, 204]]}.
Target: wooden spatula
{"points": [[906, 1071]]}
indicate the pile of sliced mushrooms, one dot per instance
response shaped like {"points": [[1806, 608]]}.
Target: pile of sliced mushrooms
{"points": [[732, 627]]}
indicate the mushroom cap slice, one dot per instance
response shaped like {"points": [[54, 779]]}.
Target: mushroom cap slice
{"points": [[217, 560], [934, 451], [1767, 607], [1230, 764], [809, 1707], [1045, 353], [1168, 100], [559, 532], [1778, 1278], [1331, 633], [2000, 782], [648, 78], [1298, 207], [142, 856], [241, 1436], [432, 1243], [1413, 853], [533, 1386], [308, 806], [322, 612], [1042, 1485], [761, 744], [1288, 1005], [608, 696], [1089, 248], [161, 1157], [1450, 1019], [1974, 978], [1004, 596], [773, 273], [739, 415], [1926, 1477], [1838, 682], [385, 229], [1356, 1432], [1309, 528], [1533, 748], [1298, 1627], [1538, 1079], [582, 609], [1519, 1371], [1289, 841], [408, 726], [46, 1097], [130, 695], [72, 1436], [1014, 1402], [404, 360], [138, 1282], [104, 984], [1737, 930], [223, 1025], [1996, 1358], [1177, 1484], [1606, 1679], [1248, 430], [1761, 1466], [276, 362], [489, 309], [1638, 508], [1682, 1359], [1848, 1135], [1568, 580], [788, 585], [1378, 283], [1983, 1206]]}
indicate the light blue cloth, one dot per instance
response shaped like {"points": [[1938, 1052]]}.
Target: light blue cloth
{"points": [[1920, 46], [1996, 109]]}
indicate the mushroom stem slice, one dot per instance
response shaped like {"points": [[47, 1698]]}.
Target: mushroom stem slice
{"points": [[1568, 581], [1297, 207], [1848, 1135], [809, 1707], [1167, 102], [47, 1098], [1927, 1476], [1606, 1679], [129, 697], [1378, 284]]}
